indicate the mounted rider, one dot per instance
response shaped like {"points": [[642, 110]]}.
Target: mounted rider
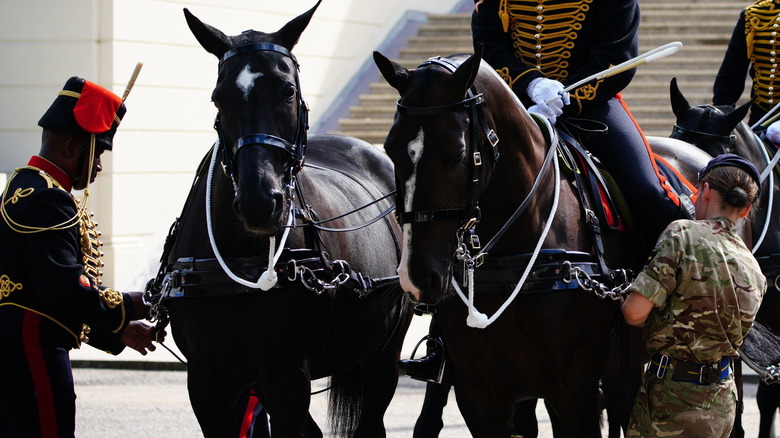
{"points": [[539, 48]]}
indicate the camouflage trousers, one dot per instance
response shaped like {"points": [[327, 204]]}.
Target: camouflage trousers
{"points": [[666, 408]]}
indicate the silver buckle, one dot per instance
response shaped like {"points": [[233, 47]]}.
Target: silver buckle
{"points": [[663, 362]]}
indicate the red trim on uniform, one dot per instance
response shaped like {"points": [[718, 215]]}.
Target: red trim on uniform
{"points": [[683, 179], [47, 166], [664, 183], [31, 338], [249, 416]]}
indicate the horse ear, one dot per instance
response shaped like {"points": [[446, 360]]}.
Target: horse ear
{"points": [[395, 74], [738, 114], [679, 104], [466, 73], [211, 38], [289, 34]]}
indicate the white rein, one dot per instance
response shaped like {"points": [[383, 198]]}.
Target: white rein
{"points": [[478, 319], [269, 278]]}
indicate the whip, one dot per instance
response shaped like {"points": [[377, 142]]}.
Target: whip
{"points": [[131, 82], [650, 56]]}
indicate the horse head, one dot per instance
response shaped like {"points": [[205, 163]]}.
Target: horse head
{"points": [[262, 118], [708, 127], [444, 149]]}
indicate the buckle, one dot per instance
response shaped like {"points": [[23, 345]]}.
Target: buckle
{"points": [[704, 373], [663, 363]]}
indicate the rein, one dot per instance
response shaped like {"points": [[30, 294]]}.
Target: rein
{"points": [[771, 164], [476, 318], [684, 134]]}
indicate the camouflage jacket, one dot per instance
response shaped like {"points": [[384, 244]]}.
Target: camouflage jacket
{"points": [[706, 287]]}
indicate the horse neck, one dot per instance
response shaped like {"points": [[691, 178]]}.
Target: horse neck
{"points": [[523, 150]]}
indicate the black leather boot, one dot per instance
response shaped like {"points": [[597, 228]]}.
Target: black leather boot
{"points": [[429, 368]]}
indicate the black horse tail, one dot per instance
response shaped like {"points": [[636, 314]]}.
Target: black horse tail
{"points": [[345, 402]]}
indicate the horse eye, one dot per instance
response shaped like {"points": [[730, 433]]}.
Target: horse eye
{"points": [[289, 91]]}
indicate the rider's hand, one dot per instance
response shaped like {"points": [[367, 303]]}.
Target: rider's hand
{"points": [[542, 90], [138, 336], [773, 132]]}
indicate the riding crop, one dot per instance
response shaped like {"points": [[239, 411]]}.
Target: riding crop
{"points": [[652, 55]]}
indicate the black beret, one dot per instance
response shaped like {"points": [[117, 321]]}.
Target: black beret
{"points": [[85, 107], [735, 161]]}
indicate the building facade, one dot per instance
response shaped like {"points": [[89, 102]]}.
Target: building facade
{"points": [[167, 129]]}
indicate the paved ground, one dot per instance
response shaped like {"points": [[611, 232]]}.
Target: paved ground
{"points": [[142, 403], [138, 404]]}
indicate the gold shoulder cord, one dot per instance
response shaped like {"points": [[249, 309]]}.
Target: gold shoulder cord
{"points": [[762, 23], [23, 193]]}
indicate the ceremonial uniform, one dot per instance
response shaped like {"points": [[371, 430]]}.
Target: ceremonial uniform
{"points": [[568, 41], [754, 49], [706, 288], [51, 297]]}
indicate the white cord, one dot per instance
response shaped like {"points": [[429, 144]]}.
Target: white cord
{"points": [[269, 278], [478, 319], [770, 165]]}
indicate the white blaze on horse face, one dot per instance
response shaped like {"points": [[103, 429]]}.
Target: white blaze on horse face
{"points": [[415, 149], [246, 80]]}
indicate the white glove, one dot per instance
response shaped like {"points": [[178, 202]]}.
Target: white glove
{"points": [[773, 133], [540, 90]]}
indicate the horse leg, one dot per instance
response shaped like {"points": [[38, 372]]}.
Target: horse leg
{"points": [[380, 379], [768, 400], [213, 404], [524, 422], [430, 422], [576, 407], [312, 429], [487, 412], [287, 395]]}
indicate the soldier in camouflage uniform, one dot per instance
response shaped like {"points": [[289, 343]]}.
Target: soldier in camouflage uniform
{"points": [[697, 298]]}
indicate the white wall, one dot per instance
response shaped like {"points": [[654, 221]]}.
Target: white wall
{"points": [[167, 128]]}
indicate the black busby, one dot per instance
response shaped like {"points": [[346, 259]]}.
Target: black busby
{"points": [[85, 107]]}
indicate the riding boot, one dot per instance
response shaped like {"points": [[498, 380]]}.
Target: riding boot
{"points": [[429, 368]]}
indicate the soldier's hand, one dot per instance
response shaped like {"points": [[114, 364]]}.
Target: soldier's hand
{"points": [[138, 336], [140, 307]]}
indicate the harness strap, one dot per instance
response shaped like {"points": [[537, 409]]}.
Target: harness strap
{"points": [[591, 218], [553, 270]]}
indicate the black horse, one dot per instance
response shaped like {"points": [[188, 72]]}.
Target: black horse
{"points": [[454, 119], [334, 307], [719, 130]]}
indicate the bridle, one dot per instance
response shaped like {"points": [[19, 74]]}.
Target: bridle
{"points": [[691, 135], [469, 215], [295, 149]]}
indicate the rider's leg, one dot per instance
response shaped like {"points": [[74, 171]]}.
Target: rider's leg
{"points": [[626, 154]]}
